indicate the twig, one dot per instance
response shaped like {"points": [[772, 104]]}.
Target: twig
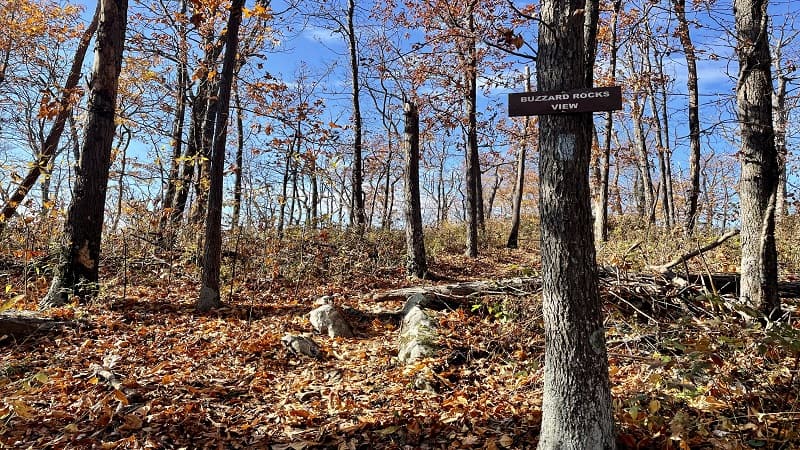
{"points": [[632, 306]]}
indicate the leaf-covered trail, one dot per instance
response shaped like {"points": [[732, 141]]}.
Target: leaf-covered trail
{"points": [[151, 373]]}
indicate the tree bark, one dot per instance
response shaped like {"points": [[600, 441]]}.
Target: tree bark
{"points": [[182, 81], [19, 325], [694, 117], [357, 212], [78, 268], [202, 183], [576, 404], [780, 118], [209, 297], [758, 156], [237, 181], [416, 263], [516, 207], [285, 183], [601, 207], [473, 170], [50, 144], [661, 148], [643, 159], [124, 136], [668, 186]]}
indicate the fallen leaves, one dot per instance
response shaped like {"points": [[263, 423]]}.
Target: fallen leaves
{"points": [[153, 374]]}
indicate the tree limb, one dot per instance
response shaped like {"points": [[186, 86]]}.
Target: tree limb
{"points": [[665, 269]]}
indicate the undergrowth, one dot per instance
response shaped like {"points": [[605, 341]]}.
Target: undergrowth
{"points": [[686, 370]]}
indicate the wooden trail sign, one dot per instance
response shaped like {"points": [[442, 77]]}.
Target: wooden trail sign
{"points": [[578, 101]]}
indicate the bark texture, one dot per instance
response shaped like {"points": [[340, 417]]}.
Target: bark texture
{"points": [[77, 271], [212, 248], [519, 184], [416, 262], [759, 159], [576, 405], [473, 168], [358, 216], [694, 116], [603, 166], [780, 118]]}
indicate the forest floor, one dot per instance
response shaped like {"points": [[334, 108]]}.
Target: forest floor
{"points": [[143, 370]]}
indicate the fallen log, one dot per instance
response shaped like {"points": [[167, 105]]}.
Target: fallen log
{"points": [[451, 295], [16, 325], [465, 290]]}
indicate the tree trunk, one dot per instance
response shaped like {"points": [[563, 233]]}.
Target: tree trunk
{"points": [[125, 136], [314, 192], [285, 185], [498, 181], [759, 159], [659, 136], [50, 144], [416, 263], [519, 184], [576, 404], [643, 159], [473, 170], [237, 181], [694, 117], [202, 183], [386, 216], [182, 81], [212, 248], [78, 268], [780, 119], [190, 157], [357, 206], [601, 207], [668, 186]]}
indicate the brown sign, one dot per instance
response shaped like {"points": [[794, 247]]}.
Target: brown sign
{"points": [[577, 101]]}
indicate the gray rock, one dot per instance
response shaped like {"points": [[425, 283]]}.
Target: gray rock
{"points": [[425, 381], [418, 335], [324, 300], [301, 345], [329, 320]]}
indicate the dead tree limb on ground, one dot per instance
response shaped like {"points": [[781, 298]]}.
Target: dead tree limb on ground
{"points": [[666, 269]]}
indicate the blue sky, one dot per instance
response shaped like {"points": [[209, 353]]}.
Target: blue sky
{"points": [[318, 47]]}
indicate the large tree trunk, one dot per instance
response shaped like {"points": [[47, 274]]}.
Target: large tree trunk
{"points": [[694, 117], [212, 247], [50, 145], [358, 217], [416, 263], [78, 269], [576, 404], [759, 159]]}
